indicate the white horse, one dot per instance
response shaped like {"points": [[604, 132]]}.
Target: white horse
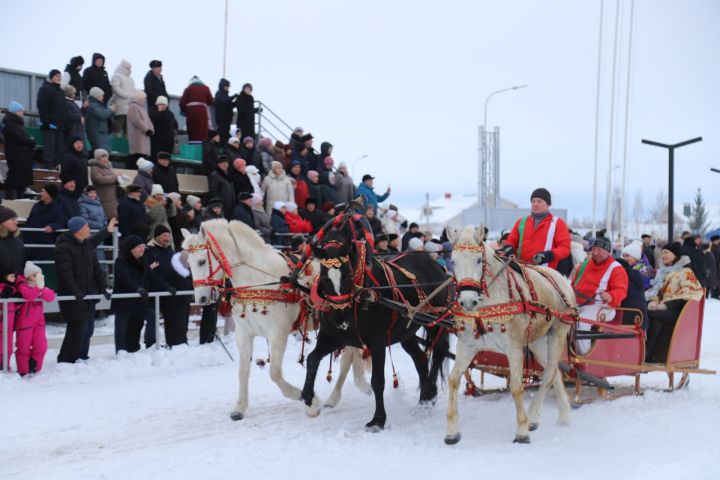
{"points": [[236, 250], [483, 281]]}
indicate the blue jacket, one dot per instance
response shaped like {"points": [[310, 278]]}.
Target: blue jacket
{"points": [[370, 195], [96, 125], [92, 211]]}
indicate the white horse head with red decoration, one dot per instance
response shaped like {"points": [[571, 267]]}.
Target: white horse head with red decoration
{"points": [[207, 268], [469, 258]]}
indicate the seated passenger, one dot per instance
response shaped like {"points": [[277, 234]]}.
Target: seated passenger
{"points": [[675, 284], [632, 254], [600, 284]]}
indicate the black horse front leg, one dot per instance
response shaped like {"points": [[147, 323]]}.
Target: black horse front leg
{"points": [[410, 345], [325, 345], [377, 382], [439, 354]]}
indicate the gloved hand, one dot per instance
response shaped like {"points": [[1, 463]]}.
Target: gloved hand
{"points": [[543, 257], [148, 132], [505, 250], [79, 296], [107, 294], [52, 126], [40, 281], [142, 292], [172, 290], [7, 292]]}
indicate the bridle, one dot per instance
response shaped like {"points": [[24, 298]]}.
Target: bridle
{"points": [[214, 252], [467, 283], [342, 301]]}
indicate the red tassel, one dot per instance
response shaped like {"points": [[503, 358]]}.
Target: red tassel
{"points": [[301, 360], [396, 384], [502, 328], [366, 353], [490, 328], [260, 362], [328, 377], [254, 308], [243, 315]]}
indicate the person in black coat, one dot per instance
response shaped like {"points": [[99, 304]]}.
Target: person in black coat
{"points": [[279, 224], [75, 164], [712, 268], [246, 111], [74, 78], [165, 175], [243, 210], [131, 210], [18, 152], [221, 186], [154, 84], [212, 148], [240, 179], [48, 215], [232, 148], [79, 274], [312, 214], [648, 249], [96, 76], [697, 261], [53, 113], [224, 104], [133, 274], [12, 248], [165, 126], [635, 296], [68, 199]]}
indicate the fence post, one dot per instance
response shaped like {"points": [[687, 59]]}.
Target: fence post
{"points": [[157, 322], [5, 355], [115, 242]]}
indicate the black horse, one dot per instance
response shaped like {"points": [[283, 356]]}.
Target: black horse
{"points": [[351, 283]]}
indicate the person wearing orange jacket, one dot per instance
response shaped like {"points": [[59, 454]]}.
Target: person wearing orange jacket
{"points": [[540, 238]]}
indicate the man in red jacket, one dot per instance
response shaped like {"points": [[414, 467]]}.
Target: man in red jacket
{"points": [[600, 284], [540, 238]]}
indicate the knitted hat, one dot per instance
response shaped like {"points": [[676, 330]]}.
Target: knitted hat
{"points": [[52, 190], [14, 107], [542, 194], [212, 133], [69, 91], [132, 241], [97, 93], [144, 165], [604, 243], [160, 229], [99, 153], [246, 85], [161, 100], [278, 205], [31, 269], [174, 196], [634, 249], [415, 244], [313, 174], [75, 224], [248, 139], [257, 199], [6, 214], [342, 165], [5, 270], [291, 206], [310, 200], [239, 164], [675, 248], [266, 142], [432, 247], [156, 190], [155, 63], [53, 72], [222, 159], [275, 164], [233, 141], [192, 200]]}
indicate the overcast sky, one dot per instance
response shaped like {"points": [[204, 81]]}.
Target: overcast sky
{"points": [[405, 82]]}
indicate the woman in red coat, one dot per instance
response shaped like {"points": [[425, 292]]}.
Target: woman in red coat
{"points": [[296, 223], [194, 105]]}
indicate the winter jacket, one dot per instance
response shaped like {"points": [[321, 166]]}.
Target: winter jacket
{"points": [[73, 121], [12, 249], [251, 157], [211, 150], [78, 273], [139, 127], [167, 177], [232, 152], [697, 261], [18, 152], [316, 218], [105, 181], [123, 88], [194, 105], [344, 187], [71, 76], [97, 77], [154, 87], [68, 201], [302, 192], [635, 296], [678, 283], [92, 211], [221, 186], [262, 223], [131, 212], [163, 255], [244, 214], [371, 197], [277, 188], [75, 165], [279, 225], [534, 239], [241, 182], [246, 115], [132, 274], [41, 216], [324, 152], [159, 213], [164, 125], [712, 269], [145, 180], [30, 326], [96, 124], [51, 106], [224, 104], [30, 313], [266, 158], [297, 224], [587, 283]]}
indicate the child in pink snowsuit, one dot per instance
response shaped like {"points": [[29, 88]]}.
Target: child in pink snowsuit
{"points": [[30, 320], [8, 289]]}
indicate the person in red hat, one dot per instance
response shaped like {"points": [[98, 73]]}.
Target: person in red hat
{"points": [[540, 238]]}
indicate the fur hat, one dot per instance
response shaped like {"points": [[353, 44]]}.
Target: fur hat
{"points": [[675, 248], [157, 190], [75, 224], [342, 165], [97, 93], [144, 165], [155, 63], [542, 194], [275, 164], [266, 142], [133, 187], [6, 214], [14, 107], [634, 249], [161, 100], [415, 244], [215, 202], [192, 200], [31, 269], [97, 155]]}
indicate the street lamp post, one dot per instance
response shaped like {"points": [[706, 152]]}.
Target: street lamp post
{"points": [[484, 150], [671, 179], [354, 162]]}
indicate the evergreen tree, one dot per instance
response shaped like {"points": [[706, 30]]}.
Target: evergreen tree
{"points": [[699, 216]]}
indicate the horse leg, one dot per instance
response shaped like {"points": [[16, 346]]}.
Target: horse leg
{"points": [[412, 348], [346, 360], [439, 354], [557, 346], [245, 351], [278, 343], [463, 356], [515, 360], [359, 366], [324, 345], [377, 381], [540, 351]]}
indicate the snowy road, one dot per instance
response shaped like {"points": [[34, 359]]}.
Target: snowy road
{"points": [[166, 414]]}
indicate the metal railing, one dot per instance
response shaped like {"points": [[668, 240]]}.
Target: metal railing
{"points": [[114, 247], [266, 116], [65, 298]]}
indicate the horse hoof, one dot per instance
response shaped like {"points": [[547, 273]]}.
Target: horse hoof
{"points": [[313, 410], [452, 439], [533, 426], [375, 425], [522, 439], [235, 416]]}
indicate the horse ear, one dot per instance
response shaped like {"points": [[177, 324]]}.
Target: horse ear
{"points": [[452, 234], [480, 234], [185, 233]]}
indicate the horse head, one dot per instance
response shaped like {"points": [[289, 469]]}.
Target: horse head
{"points": [[336, 274], [469, 260], [205, 280]]}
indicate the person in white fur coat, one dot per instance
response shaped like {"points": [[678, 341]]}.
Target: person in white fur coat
{"points": [[123, 88]]}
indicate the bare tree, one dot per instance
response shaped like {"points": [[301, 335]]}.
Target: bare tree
{"points": [[658, 212], [638, 208]]}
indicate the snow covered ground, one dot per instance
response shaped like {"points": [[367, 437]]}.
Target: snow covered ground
{"points": [[162, 414]]}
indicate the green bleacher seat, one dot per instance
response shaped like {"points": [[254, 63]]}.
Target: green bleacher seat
{"points": [[189, 153], [120, 146], [36, 134]]}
